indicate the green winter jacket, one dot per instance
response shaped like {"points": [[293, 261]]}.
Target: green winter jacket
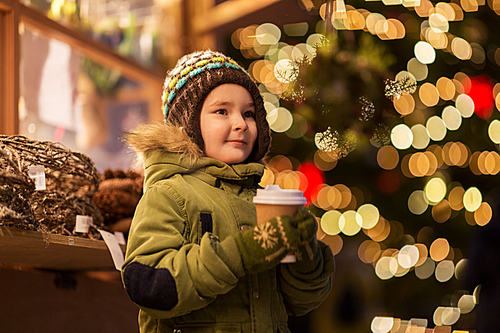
{"points": [[182, 266]]}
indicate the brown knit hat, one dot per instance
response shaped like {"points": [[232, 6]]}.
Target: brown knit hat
{"points": [[191, 80]]}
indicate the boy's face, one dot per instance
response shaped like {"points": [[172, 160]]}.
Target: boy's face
{"points": [[227, 123]]}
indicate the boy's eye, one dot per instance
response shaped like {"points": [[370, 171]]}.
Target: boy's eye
{"points": [[221, 111], [249, 114]]}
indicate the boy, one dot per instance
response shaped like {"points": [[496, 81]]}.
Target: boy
{"points": [[194, 262]]}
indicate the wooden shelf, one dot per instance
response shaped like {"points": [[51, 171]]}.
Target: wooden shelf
{"points": [[55, 252]]}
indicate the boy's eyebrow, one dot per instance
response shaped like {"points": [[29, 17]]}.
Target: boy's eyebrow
{"points": [[224, 103]]}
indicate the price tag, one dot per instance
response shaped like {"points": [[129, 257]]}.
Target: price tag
{"points": [[119, 237], [37, 173], [83, 223], [114, 248]]}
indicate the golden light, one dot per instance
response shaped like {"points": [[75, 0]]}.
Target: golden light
{"points": [[408, 256], [350, 223], [369, 215], [371, 22], [417, 202], [425, 270], [451, 117], [446, 10], [369, 251], [425, 9], [405, 104], [382, 324], [380, 232], [424, 52], [438, 22], [469, 5], [450, 315], [439, 249], [356, 20], [386, 267], [401, 136], [422, 254], [345, 195], [388, 157], [280, 119], [420, 136], [461, 48], [335, 243], [418, 69], [455, 198], [267, 178], [494, 131], [324, 161], [466, 304], [428, 94], [444, 271], [438, 39], [419, 164], [472, 199], [442, 211], [436, 128], [446, 88], [492, 163], [483, 214], [330, 222]]}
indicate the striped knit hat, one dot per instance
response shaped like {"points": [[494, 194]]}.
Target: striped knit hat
{"points": [[191, 80]]}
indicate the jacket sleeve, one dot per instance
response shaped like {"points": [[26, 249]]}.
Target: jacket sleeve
{"points": [[163, 273], [303, 292]]}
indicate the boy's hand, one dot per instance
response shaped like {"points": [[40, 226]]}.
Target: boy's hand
{"points": [[263, 246]]}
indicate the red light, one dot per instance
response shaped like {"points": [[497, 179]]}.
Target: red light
{"points": [[481, 92], [314, 177]]}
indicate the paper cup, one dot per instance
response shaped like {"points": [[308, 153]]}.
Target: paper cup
{"points": [[274, 201]]}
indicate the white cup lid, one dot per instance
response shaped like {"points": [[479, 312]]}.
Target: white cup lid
{"points": [[275, 195]]}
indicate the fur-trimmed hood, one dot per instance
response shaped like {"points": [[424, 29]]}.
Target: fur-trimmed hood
{"points": [[168, 138]]}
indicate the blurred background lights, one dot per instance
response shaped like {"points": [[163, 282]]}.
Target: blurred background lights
{"points": [[330, 222], [388, 157], [472, 199], [296, 29], [420, 136], [439, 249], [401, 136], [450, 315], [280, 119], [418, 69], [283, 70], [428, 94], [461, 48], [382, 324], [446, 88], [438, 22], [267, 34], [466, 304], [494, 131], [417, 202], [444, 272], [451, 118], [426, 270], [483, 214], [425, 53], [386, 268], [350, 223], [435, 190], [405, 104], [369, 215], [436, 128], [408, 256]]}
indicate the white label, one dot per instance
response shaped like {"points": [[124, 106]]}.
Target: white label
{"points": [[119, 237], [37, 173], [114, 248], [83, 223]]}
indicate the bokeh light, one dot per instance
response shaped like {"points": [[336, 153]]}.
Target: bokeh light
{"points": [[444, 272], [435, 190], [424, 52], [350, 223], [369, 215], [401, 136], [330, 222], [472, 199], [387, 157], [439, 249], [420, 136], [417, 202], [436, 128], [426, 270]]}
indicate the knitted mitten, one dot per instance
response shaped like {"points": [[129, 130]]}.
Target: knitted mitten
{"points": [[262, 247], [307, 252]]}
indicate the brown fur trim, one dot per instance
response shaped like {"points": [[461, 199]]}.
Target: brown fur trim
{"points": [[164, 137]]}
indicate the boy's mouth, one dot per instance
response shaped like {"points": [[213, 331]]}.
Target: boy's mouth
{"points": [[237, 142]]}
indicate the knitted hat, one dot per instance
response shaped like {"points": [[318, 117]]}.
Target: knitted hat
{"points": [[191, 80]]}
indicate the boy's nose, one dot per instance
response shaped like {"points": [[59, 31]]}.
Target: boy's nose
{"points": [[240, 123]]}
